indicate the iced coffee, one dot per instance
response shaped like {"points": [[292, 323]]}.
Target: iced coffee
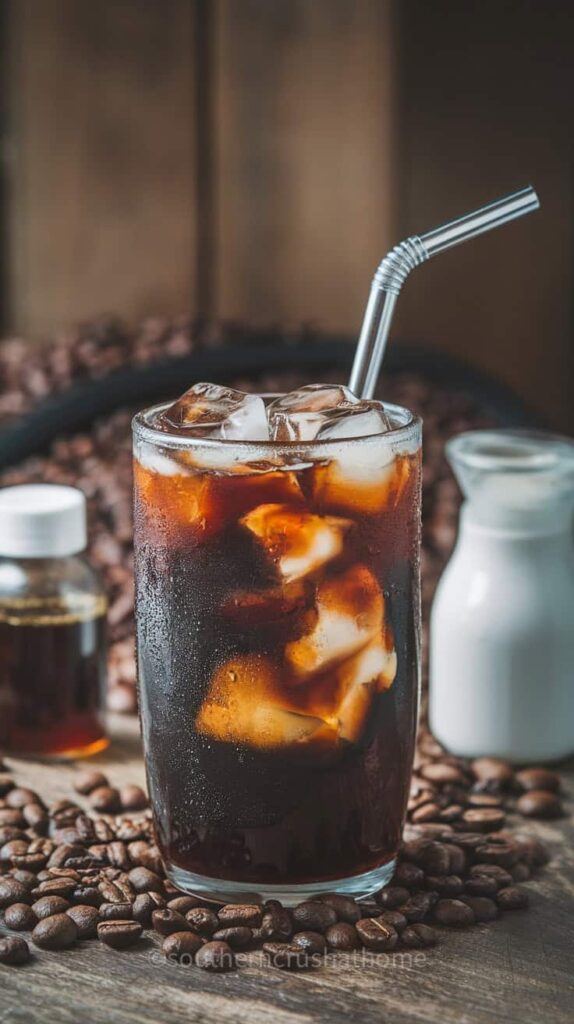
{"points": [[277, 568]]}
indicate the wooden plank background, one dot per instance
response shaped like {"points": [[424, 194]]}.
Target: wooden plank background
{"points": [[255, 159]]}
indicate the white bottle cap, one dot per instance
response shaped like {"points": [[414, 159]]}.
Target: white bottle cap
{"points": [[42, 521]]}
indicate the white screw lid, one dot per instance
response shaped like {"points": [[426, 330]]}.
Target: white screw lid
{"points": [[42, 521]]}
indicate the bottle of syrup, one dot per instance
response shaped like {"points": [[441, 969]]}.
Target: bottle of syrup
{"points": [[52, 626]]}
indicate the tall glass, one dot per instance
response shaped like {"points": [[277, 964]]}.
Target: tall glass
{"points": [[278, 655]]}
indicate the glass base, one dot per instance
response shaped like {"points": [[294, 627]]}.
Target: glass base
{"points": [[222, 891]]}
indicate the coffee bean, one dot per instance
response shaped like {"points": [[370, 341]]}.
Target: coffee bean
{"points": [[481, 885], [27, 878], [345, 908], [314, 916], [144, 880], [20, 917], [512, 898], [119, 934], [202, 921], [467, 841], [87, 894], [46, 906], [286, 956], [453, 913], [55, 932], [394, 918], [14, 950], [503, 854], [484, 819], [115, 911], [408, 875], [457, 859], [133, 798], [36, 818], [393, 896], [417, 907], [181, 946], [492, 769], [276, 924], [445, 885], [453, 812], [520, 872], [12, 818], [55, 887], [425, 812], [538, 803], [484, 800], [538, 778], [12, 891], [435, 858], [144, 906], [85, 919], [483, 908], [6, 784], [13, 849], [501, 876], [313, 942], [342, 935], [370, 908], [167, 921], [440, 772], [147, 855], [248, 915], [118, 856], [86, 781], [216, 956], [184, 903], [105, 799], [111, 892], [532, 851], [103, 830], [19, 796], [376, 934], [237, 936], [419, 936]]}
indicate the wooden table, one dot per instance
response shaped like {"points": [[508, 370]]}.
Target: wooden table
{"points": [[518, 969]]}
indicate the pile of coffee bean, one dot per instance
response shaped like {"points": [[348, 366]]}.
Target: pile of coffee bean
{"points": [[70, 873], [100, 462]]}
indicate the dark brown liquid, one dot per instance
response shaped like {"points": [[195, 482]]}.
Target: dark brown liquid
{"points": [[209, 604], [52, 677]]}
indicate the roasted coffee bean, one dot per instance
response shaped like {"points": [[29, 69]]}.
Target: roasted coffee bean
{"points": [[216, 956], [483, 908], [144, 880], [538, 778], [62, 854], [313, 942], [112, 892], [133, 798], [115, 911], [440, 771], [13, 849], [532, 851], [453, 812], [55, 887], [538, 803], [445, 885], [105, 800], [144, 906], [10, 832], [184, 903], [14, 950], [484, 819], [167, 921], [376, 934], [345, 908], [6, 784], [27, 878], [246, 914], [276, 924], [457, 859], [46, 906], [466, 841], [36, 818], [104, 831], [342, 935], [119, 934], [129, 831], [394, 918], [314, 916], [55, 932], [19, 796], [118, 856], [419, 936], [435, 858], [417, 907], [13, 891], [512, 898], [64, 812], [20, 917], [12, 818], [481, 885], [287, 956], [87, 894], [408, 875], [492, 769], [520, 872], [484, 800], [181, 946], [85, 919], [393, 896], [203, 921], [453, 913], [370, 908], [86, 781], [237, 936], [148, 856], [425, 812]]}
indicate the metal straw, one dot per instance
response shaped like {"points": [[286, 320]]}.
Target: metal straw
{"points": [[397, 264]]}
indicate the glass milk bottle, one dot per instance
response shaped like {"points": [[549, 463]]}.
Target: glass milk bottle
{"points": [[502, 623]]}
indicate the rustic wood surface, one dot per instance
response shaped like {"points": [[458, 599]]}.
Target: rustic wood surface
{"points": [[518, 969]]}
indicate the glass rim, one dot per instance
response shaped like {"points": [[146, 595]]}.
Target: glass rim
{"points": [[143, 430]]}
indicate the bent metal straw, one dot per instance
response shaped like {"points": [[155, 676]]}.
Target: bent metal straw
{"points": [[397, 264]]}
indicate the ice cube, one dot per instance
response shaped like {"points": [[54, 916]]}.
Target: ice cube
{"points": [[296, 541], [300, 415], [349, 613], [209, 410], [250, 609], [361, 420], [361, 478], [245, 705]]}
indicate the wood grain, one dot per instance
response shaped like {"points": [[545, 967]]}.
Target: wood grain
{"points": [[516, 971], [101, 154], [305, 158]]}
